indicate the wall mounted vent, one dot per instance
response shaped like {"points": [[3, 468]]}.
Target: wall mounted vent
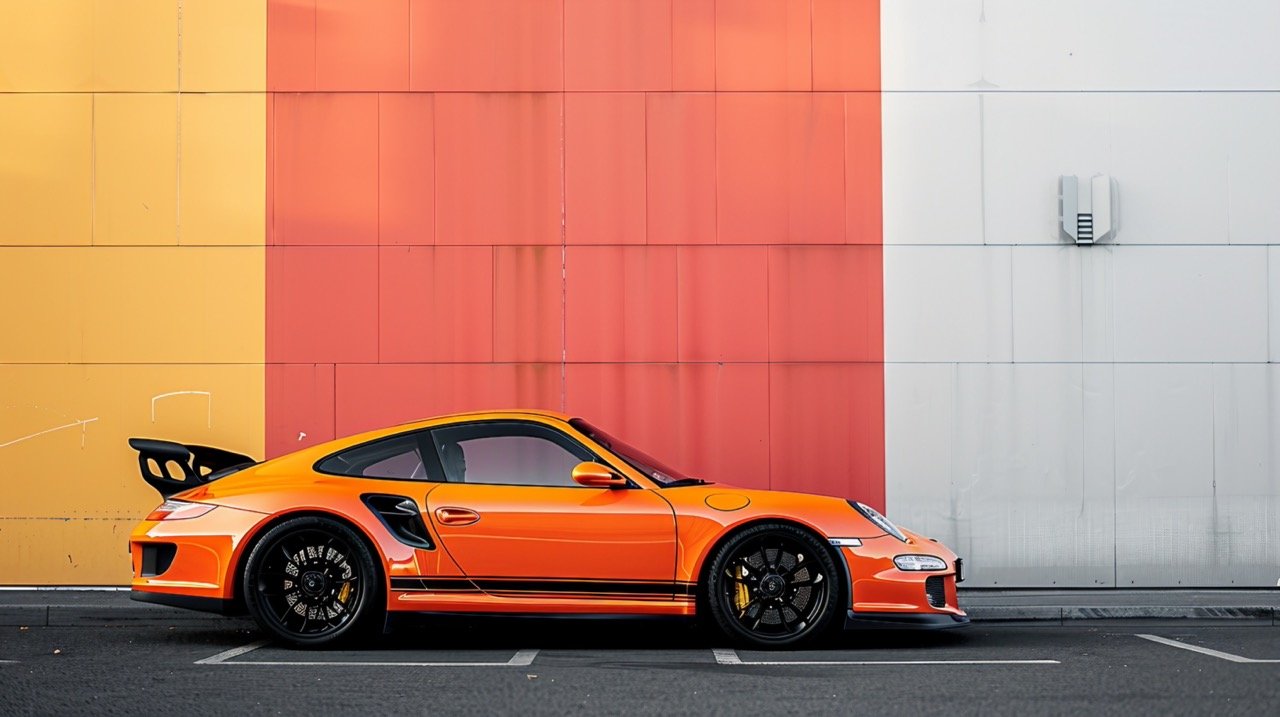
{"points": [[1084, 209]]}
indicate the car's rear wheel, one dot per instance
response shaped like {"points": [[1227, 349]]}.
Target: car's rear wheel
{"points": [[773, 585], [311, 582]]}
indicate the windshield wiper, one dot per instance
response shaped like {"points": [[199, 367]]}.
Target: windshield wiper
{"points": [[685, 481]]}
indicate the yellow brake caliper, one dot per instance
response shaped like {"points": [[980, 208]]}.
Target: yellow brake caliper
{"points": [[344, 593], [741, 597]]}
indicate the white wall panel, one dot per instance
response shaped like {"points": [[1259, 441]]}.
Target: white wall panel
{"points": [[1081, 45], [1047, 308], [1030, 140], [1169, 160], [1194, 303], [1095, 415], [1196, 500], [1016, 502], [933, 186], [1097, 309], [947, 303], [1253, 167], [1273, 303]]}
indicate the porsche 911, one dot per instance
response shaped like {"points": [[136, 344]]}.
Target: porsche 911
{"points": [[518, 513]]}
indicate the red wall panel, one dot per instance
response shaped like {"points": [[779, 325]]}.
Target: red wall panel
{"points": [[620, 304], [693, 45], [322, 304], [619, 45], [362, 46], [528, 304], [764, 45], [604, 164], [640, 212], [435, 304], [710, 420], [780, 168], [680, 144], [291, 45], [300, 409], [498, 168], [372, 396], [485, 45], [723, 303], [406, 169], [326, 168]]}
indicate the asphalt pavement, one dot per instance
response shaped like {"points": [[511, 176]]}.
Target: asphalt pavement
{"points": [[88, 607], [569, 667]]}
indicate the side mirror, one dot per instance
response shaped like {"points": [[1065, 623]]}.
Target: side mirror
{"points": [[594, 475]]}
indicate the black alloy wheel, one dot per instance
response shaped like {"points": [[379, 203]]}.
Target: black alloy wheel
{"points": [[311, 582], [773, 585]]}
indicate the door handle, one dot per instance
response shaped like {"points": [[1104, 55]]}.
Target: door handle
{"points": [[456, 516]]}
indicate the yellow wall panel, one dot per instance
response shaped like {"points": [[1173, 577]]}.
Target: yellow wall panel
{"points": [[222, 170], [69, 482], [180, 305], [65, 552], [135, 45], [45, 169], [46, 45], [224, 45], [42, 292], [132, 304], [135, 166], [108, 328]]}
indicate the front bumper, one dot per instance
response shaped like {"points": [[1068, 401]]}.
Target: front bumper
{"points": [[884, 596], [903, 621]]}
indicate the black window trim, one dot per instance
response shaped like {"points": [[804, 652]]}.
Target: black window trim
{"points": [[565, 438], [422, 436], [435, 469]]}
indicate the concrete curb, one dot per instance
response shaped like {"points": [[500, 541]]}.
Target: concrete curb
{"points": [[124, 613], [109, 615], [1063, 615]]}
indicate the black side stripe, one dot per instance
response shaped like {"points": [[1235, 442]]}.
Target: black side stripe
{"points": [[576, 587]]}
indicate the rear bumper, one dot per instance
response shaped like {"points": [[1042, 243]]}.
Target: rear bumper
{"points": [[188, 602], [903, 621]]}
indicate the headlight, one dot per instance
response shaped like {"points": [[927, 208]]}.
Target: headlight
{"points": [[919, 562], [881, 522], [179, 510]]}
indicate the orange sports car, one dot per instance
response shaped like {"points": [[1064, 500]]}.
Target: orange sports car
{"points": [[517, 512]]}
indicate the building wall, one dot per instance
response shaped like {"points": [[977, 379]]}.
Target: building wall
{"points": [[662, 216], [264, 224], [131, 262], [1085, 416]]}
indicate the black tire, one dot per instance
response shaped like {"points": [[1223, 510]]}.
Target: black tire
{"points": [[312, 582], [773, 585]]}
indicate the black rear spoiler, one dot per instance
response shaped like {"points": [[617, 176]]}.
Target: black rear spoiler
{"points": [[197, 465]]}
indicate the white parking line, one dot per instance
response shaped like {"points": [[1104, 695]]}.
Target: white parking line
{"points": [[522, 658], [726, 656], [1205, 651], [233, 652], [8, 662]]}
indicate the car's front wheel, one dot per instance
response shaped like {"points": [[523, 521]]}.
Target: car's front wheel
{"points": [[311, 582], [773, 585]]}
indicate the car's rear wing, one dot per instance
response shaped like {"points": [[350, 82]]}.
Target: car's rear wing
{"points": [[195, 465]]}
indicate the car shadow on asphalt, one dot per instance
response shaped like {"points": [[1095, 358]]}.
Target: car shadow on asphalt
{"points": [[509, 633]]}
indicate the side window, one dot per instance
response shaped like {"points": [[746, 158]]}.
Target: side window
{"points": [[396, 457], [508, 454]]}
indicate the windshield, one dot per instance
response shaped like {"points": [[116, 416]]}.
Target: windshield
{"points": [[660, 473]]}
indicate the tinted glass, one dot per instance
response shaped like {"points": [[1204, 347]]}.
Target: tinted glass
{"points": [[655, 469], [396, 457], [508, 454]]}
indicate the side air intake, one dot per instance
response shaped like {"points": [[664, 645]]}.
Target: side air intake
{"points": [[401, 517]]}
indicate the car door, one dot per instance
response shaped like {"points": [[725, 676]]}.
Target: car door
{"points": [[512, 518]]}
